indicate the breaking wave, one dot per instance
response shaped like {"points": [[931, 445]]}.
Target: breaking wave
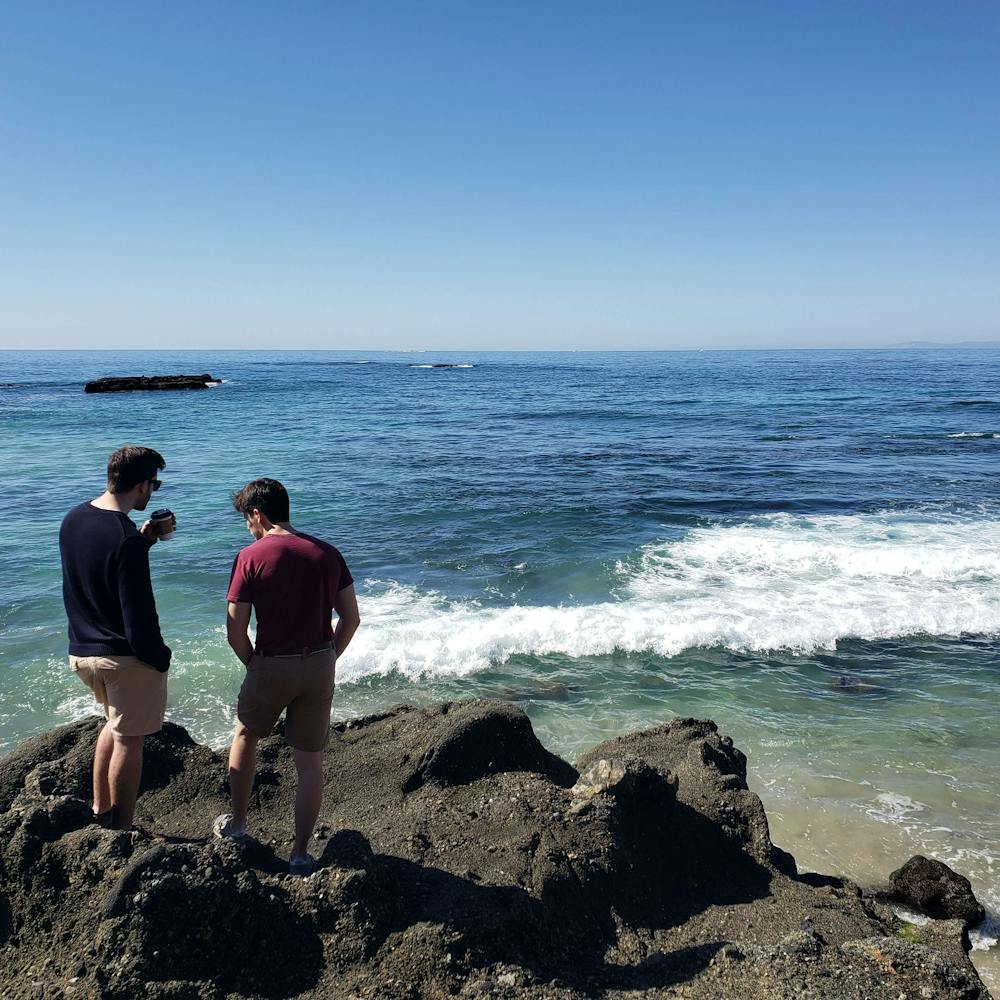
{"points": [[777, 582]]}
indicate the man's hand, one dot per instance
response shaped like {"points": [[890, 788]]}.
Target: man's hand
{"points": [[348, 618], [150, 532], [237, 622]]}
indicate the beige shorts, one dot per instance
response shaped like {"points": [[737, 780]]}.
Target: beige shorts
{"points": [[133, 694], [301, 684]]}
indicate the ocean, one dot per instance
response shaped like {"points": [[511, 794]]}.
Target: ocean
{"points": [[801, 545]]}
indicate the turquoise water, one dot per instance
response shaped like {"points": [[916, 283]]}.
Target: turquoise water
{"points": [[804, 546]]}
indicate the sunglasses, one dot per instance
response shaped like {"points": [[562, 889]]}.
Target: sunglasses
{"points": [[155, 483]]}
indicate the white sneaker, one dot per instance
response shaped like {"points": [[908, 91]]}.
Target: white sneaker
{"points": [[302, 866], [224, 829]]}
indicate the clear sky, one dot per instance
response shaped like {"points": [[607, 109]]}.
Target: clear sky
{"points": [[499, 175]]}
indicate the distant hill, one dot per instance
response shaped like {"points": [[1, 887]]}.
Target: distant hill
{"points": [[960, 345]]}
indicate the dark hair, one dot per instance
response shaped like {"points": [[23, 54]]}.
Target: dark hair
{"points": [[131, 465], [268, 496]]}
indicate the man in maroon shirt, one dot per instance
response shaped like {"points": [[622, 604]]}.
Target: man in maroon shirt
{"points": [[293, 583]]}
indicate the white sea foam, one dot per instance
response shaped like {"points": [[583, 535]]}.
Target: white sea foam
{"points": [[77, 706], [981, 938], [975, 434], [986, 935], [891, 807], [776, 582]]}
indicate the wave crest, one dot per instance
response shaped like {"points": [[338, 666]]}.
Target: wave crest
{"points": [[777, 582]]}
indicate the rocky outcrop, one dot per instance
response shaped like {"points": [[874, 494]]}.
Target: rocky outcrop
{"points": [[147, 383], [932, 888], [457, 857], [712, 776]]}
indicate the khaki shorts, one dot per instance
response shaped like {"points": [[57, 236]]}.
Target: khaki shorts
{"points": [[133, 694], [302, 684]]}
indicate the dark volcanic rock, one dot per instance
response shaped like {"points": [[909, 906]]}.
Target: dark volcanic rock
{"points": [[932, 888], [150, 383], [476, 739], [457, 857], [712, 776]]}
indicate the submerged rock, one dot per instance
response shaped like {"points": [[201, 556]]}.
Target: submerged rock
{"points": [[457, 857], [150, 383]]}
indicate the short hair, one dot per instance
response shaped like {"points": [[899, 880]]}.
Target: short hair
{"points": [[268, 496], [131, 465]]}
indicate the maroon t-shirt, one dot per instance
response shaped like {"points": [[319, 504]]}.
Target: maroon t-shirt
{"points": [[292, 582]]}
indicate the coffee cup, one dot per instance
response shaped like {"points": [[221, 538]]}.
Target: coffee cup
{"points": [[163, 523]]}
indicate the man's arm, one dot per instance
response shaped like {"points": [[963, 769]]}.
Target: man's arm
{"points": [[237, 623], [135, 593], [348, 618]]}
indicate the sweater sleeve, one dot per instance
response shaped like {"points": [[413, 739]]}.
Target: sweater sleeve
{"points": [[135, 590]]}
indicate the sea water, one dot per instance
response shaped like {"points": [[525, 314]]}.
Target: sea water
{"points": [[803, 546]]}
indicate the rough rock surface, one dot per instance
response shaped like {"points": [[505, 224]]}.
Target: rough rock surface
{"points": [[149, 383], [932, 888], [458, 858]]}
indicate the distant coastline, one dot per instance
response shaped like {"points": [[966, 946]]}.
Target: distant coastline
{"points": [[962, 345]]}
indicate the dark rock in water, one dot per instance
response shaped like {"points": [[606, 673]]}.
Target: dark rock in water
{"points": [[851, 685], [457, 857], [148, 383], [543, 692], [932, 888]]}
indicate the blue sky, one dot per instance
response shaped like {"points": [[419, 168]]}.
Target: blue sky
{"points": [[485, 175]]}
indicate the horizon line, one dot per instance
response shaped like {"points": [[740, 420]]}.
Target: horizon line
{"points": [[927, 346]]}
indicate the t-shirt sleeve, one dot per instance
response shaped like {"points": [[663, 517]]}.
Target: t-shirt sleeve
{"points": [[241, 581], [346, 579]]}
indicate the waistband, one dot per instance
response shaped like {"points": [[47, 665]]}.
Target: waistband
{"points": [[302, 654]]}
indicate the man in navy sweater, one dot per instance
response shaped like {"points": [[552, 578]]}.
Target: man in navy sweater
{"points": [[115, 646]]}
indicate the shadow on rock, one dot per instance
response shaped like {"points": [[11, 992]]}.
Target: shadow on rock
{"points": [[198, 914]]}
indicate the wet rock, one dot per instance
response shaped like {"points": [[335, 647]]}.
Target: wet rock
{"points": [[932, 888], [541, 692], [148, 383], [851, 685]]}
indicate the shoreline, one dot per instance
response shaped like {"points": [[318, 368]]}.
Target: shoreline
{"points": [[823, 830], [447, 832]]}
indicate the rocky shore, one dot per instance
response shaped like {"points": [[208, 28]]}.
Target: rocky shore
{"points": [[458, 858]]}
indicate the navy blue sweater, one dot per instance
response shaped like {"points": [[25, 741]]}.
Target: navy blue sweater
{"points": [[106, 587]]}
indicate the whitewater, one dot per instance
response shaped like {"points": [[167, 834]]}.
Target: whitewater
{"points": [[776, 582]]}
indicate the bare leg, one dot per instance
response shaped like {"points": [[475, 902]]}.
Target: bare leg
{"points": [[124, 773], [308, 797], [102, 764], [242, 767]]}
